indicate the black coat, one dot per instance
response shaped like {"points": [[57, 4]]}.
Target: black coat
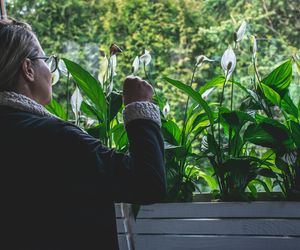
{"points": [[59, 184]]}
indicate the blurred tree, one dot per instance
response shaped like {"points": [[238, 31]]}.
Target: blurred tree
{"points": [[175, 32]]}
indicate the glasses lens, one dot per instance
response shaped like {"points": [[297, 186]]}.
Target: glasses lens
{"points": [[51, 62]]}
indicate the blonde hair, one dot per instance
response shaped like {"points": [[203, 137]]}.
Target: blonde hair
{"points": [[17, 42]]}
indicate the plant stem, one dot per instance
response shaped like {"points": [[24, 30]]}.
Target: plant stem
{"points": [[267, 111], [149, 80], [68, 94], [186, 107], [231, 108], [109, 108], [231, 100], [185, 118], [219, 117]]}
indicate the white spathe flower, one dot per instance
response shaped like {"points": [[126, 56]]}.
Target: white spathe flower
{"points": [[102, 75], [89, 122], [228, 62], [241, 31], [254, 48], [113, 65], [202, 58], [166, 109], [110, 87], [62, 67], [112, 70], [289, 158], [207, 92], [55, 77], [145, 58], [204, 144], [76, 100], [136, 65]]}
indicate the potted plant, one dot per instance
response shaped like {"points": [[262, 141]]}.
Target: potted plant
{"points": [[239, 170]]}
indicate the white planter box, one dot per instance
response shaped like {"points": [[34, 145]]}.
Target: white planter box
{"points": [[212, 225]]}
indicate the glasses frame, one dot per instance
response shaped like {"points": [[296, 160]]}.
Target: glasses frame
{"points": [[47, 58]]}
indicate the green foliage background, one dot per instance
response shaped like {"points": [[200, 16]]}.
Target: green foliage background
{"points": [[174, 31]]}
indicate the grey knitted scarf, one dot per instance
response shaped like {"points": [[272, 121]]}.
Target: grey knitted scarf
{"points": [[135, 110], [23, 103]]}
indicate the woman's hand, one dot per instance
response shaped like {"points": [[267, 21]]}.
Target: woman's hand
{"points": [[136, 89]]}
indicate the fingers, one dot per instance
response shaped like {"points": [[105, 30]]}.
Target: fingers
{"points": [[136, 89]]}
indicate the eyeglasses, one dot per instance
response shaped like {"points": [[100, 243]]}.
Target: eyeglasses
{"points": [[51, 61]]}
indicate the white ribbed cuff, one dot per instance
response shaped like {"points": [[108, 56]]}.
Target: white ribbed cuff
{"points": [[141, 110]]}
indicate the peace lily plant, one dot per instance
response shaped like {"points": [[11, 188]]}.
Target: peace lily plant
{"points": [[215, 142], [228, 135]]}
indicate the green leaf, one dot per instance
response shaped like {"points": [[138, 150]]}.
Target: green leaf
{"points": [[280, 78], [89, 111], [297, 61], [97, 131], [295, 128], [266, 172], [120, 136], [236, 119], [282, 165], [279, 132], [252, 188], [211, 182], [288, 106], [270, 94], [212, 145], [196, 120], [89, 85], [257, 135], [236, 145], [193, 94], [215, 82], [55, 108], [269, 133], [180, 152], [169, 146], [263, 184], [171, 132], [115, 104]]}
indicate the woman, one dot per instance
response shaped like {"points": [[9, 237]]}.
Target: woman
{"points": [[59, 184]]}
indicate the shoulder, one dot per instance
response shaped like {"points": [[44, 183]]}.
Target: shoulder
{"points": [[24, 121]]}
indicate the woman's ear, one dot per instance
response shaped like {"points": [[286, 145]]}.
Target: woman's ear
{"points": [[27, 70]]}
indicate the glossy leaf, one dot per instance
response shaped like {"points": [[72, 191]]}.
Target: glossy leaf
{"points": [[215, 82], [295, 128], [280, 78], [98, 131], [55, 108], [211, 182], [256, 135], [288, 106], [90, 111], [269, 133], [193, 94], [89, 85], [171, 132], [270, 94], [266, 172], [212, 145], [120, 136], [115, 104], [236, 119]]}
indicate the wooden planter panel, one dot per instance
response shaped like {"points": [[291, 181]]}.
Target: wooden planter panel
{"points": [[198, 242], [207, 225]]}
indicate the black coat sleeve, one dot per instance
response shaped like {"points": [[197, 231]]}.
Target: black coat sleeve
{"points": [[135, 178]]}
